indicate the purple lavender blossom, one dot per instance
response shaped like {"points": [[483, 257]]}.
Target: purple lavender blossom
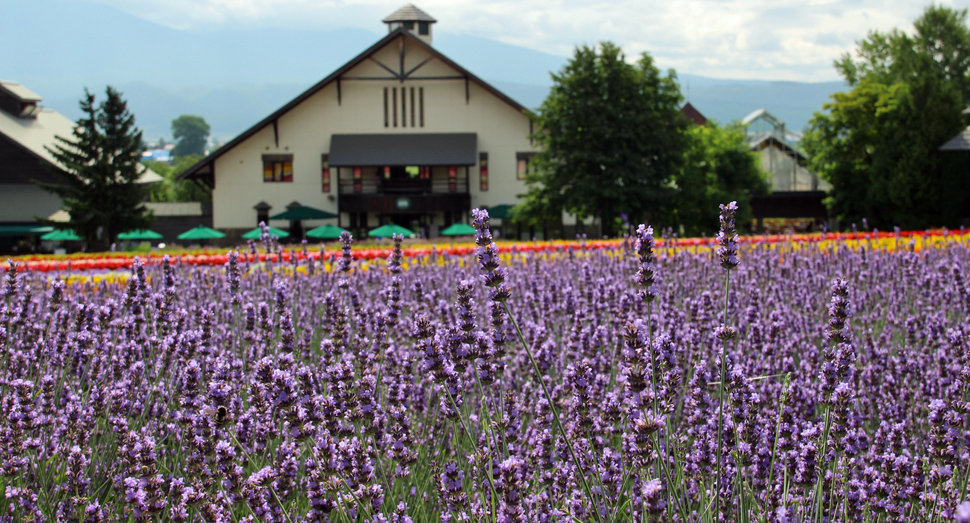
{"points": [[346, 239], [727, 237], [646, 273]]}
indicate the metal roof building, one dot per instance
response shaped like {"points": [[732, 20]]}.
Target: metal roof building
{"points": [[400, 133], [26, 131]]}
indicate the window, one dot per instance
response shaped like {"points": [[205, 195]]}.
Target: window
{"points": [[423, 28], [408, 25], [412, 107], [452, 179], [523, 165], [358, 180], [277, 167], [325, 172], [483, 171]]}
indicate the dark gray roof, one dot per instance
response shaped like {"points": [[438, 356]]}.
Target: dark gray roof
{"points": [[368, 150], [409, 13], [960, 142]]}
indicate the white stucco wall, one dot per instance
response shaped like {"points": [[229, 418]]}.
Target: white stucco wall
{"points": [[305, 133]]}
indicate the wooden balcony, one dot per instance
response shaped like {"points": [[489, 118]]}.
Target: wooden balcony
{"points": [[405, 203]]}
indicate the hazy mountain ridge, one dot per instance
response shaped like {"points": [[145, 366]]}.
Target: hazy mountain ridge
{"points": [[234, 78]]}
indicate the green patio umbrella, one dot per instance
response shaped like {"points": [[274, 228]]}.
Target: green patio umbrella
{"points": [[140, 234], [385, 231], [201, 233], [325, 232], [273, 231], [10, 231], [500, 211], [458, 229], [61, 235], [303, 213]]}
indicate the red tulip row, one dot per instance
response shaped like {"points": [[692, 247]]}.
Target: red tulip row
{"points": [[117, 261]]}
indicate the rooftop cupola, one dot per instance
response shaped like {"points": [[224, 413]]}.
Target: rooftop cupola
{"points": [[18, 100], [412, 19]]}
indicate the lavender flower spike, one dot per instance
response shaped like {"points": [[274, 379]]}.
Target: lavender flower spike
{"points": [[346, 239], [488, 259], [728, 237], [646, 275]]}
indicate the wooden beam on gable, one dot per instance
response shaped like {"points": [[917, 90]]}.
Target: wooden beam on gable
{"points": [[276, 132], [401, 52], [415, 68], [386, 68]]}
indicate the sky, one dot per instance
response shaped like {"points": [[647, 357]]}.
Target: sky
{"points": [[743, 39]]}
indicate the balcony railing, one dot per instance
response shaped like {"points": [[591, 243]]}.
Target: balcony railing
{"points": [[404, 186]]}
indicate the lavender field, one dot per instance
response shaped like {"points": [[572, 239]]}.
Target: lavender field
{"points": [[781, 383]]}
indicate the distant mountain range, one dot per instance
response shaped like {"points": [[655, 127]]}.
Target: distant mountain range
{"points": [[234, 78]]}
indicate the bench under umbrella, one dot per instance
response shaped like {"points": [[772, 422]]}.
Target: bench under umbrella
{"points": [[256, 233], [61, 235], [303, 212], [326, 232], [500, 211], [385, 231], [140, 234], [297, 213], [201, 233], [458, 229]]}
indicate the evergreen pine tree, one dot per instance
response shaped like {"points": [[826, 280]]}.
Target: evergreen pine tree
{"points": [[99, 183]]}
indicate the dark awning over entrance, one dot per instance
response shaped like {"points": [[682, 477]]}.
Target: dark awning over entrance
{"points": [[376, 150]]}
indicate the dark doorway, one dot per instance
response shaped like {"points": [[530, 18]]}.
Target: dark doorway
{"points": [[400, 179], [408, 221]]}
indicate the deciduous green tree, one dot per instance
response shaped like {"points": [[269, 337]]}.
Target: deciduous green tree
{"points": [[191, 134], [877, 144], [611, 138], [718, 167], [171, 189], [99, 184]]}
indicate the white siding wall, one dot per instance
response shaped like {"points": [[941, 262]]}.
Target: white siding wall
{"points": [[21, 203], [305, 133]]}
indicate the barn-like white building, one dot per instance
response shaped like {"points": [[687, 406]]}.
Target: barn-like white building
{"points": [[400, 134]]}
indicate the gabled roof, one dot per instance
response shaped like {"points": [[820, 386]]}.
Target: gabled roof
{"points": [[37, 133], [693, 114], [409, 13], [762, 113], [960, 142], [755, 140], [400, 32]]}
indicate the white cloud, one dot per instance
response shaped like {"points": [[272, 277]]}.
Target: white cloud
{"points": [[763, 39]]}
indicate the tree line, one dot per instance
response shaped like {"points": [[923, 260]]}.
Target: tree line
{"points": [[613, 143]]}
